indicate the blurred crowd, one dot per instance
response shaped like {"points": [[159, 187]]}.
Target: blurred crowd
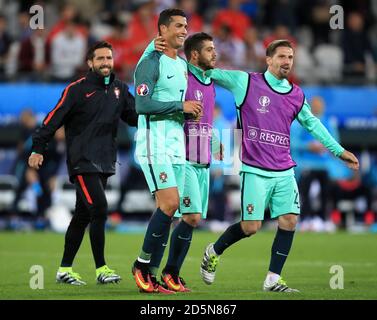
{"points": [[242, 29], [331, 195]]}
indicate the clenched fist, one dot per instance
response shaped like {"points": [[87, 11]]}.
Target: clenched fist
{"points": [[35, 160], [194, 107]]}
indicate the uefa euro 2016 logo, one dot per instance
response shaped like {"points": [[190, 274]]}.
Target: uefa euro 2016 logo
{"points": [[198, 95], [264, 101], [142, 90]]}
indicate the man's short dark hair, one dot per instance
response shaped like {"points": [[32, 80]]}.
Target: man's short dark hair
{"points": [[195, 42], [165, 16], [97, 45], [271, 48]]}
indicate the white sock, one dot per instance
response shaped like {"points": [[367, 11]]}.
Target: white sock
{"points": [[212, 251], [142, 260], [272, 278]]}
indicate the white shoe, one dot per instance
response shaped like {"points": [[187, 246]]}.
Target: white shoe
{"points": [[209, 264], [278, 286], [69, 277], [106, 275]]}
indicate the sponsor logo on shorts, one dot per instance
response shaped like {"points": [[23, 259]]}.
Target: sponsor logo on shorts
{"points": [[187, 202], [163, 177], [250, 208]]}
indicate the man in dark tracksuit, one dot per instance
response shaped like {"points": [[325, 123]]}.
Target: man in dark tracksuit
{"points": [[89, 109]]}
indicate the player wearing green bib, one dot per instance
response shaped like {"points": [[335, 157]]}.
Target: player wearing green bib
{"points": [[160, 84]]}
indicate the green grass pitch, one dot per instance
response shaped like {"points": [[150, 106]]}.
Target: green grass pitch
{"points": [[240, 273]]}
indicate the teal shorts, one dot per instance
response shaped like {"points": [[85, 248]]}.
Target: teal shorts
{"points": [[165, 175], [279, 193], [195, 192]]}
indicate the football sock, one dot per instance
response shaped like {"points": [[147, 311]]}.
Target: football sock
{"points": [[180, 241], [272, 278], [155, 235], [158, 254], [144, 257], [231, 235], [280, 249]]}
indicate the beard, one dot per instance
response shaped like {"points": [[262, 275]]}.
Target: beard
{"points": [[205, 65], [99, 71], [284, 75]]}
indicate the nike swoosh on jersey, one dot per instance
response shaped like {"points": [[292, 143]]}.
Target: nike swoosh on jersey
{"points": [[169, 77], [88, 95]]}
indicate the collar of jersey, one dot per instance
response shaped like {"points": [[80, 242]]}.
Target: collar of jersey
{"points": [[199, 73], [279, 85], [95, 78]]}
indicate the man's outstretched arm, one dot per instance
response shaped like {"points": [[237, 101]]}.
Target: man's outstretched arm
{"points": [[233, 80], [319, 131]]}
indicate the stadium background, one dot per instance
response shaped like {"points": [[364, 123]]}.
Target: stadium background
{"points": [[337, 65]]}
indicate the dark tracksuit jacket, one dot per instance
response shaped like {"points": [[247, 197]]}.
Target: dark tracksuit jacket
{"points": [[90, 111]]}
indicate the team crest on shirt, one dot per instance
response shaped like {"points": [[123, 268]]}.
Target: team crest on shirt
{"points": [[264, 101], [250, 208], [163, 177], [116, 92], [198, 95], [187, 202], [142, 90]]}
